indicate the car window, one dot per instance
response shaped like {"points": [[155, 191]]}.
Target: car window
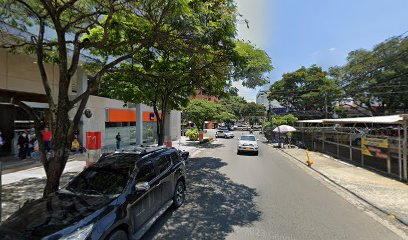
{"points": [[163, 162], [146, 172], [100, 181], [248, 138]]}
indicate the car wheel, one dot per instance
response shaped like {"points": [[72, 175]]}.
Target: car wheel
{"points": [[256, 153], [118, 235], [179, 194], [239, 152]]}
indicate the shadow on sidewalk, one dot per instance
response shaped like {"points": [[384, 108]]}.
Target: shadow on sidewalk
{"points": [[214, 204], [14, 195]]}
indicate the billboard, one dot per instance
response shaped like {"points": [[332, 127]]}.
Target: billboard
{"points": [[375, 147]]}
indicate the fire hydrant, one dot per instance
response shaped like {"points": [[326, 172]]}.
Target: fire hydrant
{"points": [[309, 161]]}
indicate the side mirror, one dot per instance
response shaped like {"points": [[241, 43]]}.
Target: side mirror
{"points": [[184, 155], [142, 186]]}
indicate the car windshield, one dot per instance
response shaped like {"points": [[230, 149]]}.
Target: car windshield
{"points": [[105, 178], [248, 138]]}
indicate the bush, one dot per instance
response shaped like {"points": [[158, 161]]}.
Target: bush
{"points": [[192, 134]]}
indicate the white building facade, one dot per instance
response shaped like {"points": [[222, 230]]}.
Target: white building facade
{"points": [[262, 98], [20, 77]]}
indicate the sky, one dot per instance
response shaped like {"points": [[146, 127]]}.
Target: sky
{"points": [[298, 33]]}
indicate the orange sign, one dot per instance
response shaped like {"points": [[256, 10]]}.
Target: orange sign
{"points": [[121, 115]]}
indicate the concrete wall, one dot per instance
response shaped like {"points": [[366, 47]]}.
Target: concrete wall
{"points": [[20, 73], [96, 123]]}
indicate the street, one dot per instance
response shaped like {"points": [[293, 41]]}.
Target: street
{"points": [[260, 197]]}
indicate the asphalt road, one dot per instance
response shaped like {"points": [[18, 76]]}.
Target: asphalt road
{"points": [[260, 197]]}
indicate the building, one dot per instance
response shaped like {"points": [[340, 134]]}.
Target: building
{"points": [[20, 77], [203, 95], [262, 98]]}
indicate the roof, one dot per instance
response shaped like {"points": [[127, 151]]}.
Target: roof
{"points": [[392, 119], [312, 121]]}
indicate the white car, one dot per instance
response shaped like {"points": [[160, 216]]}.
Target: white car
{"points": [[248, 143], [224, 134]]}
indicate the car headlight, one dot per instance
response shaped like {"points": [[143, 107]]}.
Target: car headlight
{"points": [[80, 233]]}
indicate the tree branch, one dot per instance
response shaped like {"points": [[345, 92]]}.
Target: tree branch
{"points": [[40, 63]]}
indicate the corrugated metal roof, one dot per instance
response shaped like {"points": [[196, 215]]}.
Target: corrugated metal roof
{"points": [[312, 121], [393, 119]]}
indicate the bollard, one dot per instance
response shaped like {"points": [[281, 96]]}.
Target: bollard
{"points": [[309, 161]]}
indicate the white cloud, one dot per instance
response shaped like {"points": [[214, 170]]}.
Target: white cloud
{"points": [[332, 49], [256, 12], [247, 93]]}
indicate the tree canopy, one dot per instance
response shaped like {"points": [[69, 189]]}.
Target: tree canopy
{"points": [[202, 54], [199, 111], [306, 89], [376, 79]]}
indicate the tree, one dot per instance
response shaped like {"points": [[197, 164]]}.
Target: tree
{"points": [[277, 121], [306, 89], [251, 112], [204, 54], [233, 105], [199, 111], [72, 23], [376, 79]]}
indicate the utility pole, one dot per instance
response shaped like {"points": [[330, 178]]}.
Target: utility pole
{"points": [[325, 103]]}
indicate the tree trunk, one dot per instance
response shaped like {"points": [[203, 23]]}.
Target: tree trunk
{"points": [[60, 144], [159, 125]]}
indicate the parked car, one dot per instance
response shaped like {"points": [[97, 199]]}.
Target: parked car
{"points": [[248, 143], [224, 134], [118, 198]]}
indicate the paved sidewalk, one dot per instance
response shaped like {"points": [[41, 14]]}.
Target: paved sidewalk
{"points": [[384, 193], [191, 146]]}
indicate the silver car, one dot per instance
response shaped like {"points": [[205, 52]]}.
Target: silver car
{"points": [[248, 143]]}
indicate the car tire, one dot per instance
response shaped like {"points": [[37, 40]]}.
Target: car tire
{"points": [[179, 194], [238, 152], [118, 235], [256, 153]]}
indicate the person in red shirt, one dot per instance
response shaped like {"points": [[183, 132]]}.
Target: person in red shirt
{"points": [[47, 136]]}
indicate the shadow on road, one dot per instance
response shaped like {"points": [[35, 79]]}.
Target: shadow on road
{"points": [[14, 195], [214, 204]]}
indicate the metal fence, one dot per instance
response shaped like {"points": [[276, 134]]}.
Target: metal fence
{"points": [[345, 143]]}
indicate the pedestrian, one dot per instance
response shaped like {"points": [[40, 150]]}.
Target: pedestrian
{"points": [[22, 143], [36, 149], [118, 139], [47, 136], [31, 139]]}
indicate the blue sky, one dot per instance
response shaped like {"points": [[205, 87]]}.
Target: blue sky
{"points": [[298, 33]]}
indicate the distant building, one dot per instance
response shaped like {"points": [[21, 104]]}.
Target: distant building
{"points": [[262, 98], [203, 95]]}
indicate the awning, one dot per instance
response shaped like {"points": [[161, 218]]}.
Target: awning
{"points": [[392, 119], [312, 121]]}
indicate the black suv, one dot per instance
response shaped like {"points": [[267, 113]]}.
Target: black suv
{"points": [[118, 198]]}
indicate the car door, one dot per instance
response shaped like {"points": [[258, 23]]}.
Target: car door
{"points": [[164, 172], [141, 209]]}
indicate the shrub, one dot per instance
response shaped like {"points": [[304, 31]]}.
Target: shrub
{"points": [[192, 134]]}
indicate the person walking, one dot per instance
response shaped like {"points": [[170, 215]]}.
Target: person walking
{"points": [[22, 143], [118, 140], [47, 136]]}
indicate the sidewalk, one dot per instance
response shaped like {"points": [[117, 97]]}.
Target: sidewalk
{"points": [[13, 164], [387, 195]]}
